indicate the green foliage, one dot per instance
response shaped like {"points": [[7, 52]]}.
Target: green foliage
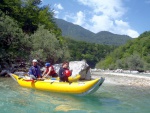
{"points": [[29, 15], [45, 17], [46, 47], [145, 34], [134, 55], [11, 37], [135, 62], [90, 52]]}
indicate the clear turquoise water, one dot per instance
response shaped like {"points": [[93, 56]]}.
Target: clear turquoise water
{"points": [[108, 99]]}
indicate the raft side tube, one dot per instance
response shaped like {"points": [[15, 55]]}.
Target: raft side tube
{"points": [[94, 88]]}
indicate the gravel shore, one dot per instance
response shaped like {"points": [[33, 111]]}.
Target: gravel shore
{"points": [[123, 79]]}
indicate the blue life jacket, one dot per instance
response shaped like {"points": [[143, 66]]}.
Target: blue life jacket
{"points": [[35, 70]]}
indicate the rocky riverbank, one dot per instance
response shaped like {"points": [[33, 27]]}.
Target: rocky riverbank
{"points": [[138, 80]]}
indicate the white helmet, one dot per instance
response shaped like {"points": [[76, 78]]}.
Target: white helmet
{"points": [[34, 60]]}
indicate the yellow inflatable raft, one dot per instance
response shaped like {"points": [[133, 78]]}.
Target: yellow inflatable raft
{"points": [[53, 85]]}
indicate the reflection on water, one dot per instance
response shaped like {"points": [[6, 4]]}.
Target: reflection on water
{"points": [[108, 99]]}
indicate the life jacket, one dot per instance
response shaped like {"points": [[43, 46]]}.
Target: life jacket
{"points": [[35, 70], [67, 72], [52, 70]]}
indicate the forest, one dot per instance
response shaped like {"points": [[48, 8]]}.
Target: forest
{"points": [[28, 31], [134, 55]]}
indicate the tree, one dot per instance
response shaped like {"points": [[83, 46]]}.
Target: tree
{"points": [[45, 17], [29, 15], [46, 47], [11, 38], [135, 62], [91, 52]]}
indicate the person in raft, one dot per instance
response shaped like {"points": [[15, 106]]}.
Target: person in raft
{"points": [[49, 71], [34, 70], [64, 72]]}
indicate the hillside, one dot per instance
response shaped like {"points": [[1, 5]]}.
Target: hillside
{"points": [[134, 55], [77, 32]]}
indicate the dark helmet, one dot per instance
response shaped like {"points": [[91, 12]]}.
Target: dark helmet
{"points": [[67, 73], [47, 64]]}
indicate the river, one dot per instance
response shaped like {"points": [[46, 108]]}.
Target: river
{"points": [[110, 98]]}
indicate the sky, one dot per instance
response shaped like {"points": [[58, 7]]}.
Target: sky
{"points": [[125, 17]]}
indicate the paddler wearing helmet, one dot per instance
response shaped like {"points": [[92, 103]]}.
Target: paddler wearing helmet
{"points": [[34, 70], [64, 72], [49, 71]]}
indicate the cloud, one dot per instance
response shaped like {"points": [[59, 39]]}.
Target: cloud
{"points": [[100, 15], [106, 7], [99, 23], [80, 18], [124, 28], [105, 23], [106, 16], [77, 18], [56, 13], [58, 6], [69, 16], [132, 33]]}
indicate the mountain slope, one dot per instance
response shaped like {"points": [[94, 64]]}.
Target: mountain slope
{"points": [[108, 38], [134, 55], [77, 32], [74, 31]]}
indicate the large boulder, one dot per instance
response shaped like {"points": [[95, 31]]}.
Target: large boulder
{"points": [[77, 67]]}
